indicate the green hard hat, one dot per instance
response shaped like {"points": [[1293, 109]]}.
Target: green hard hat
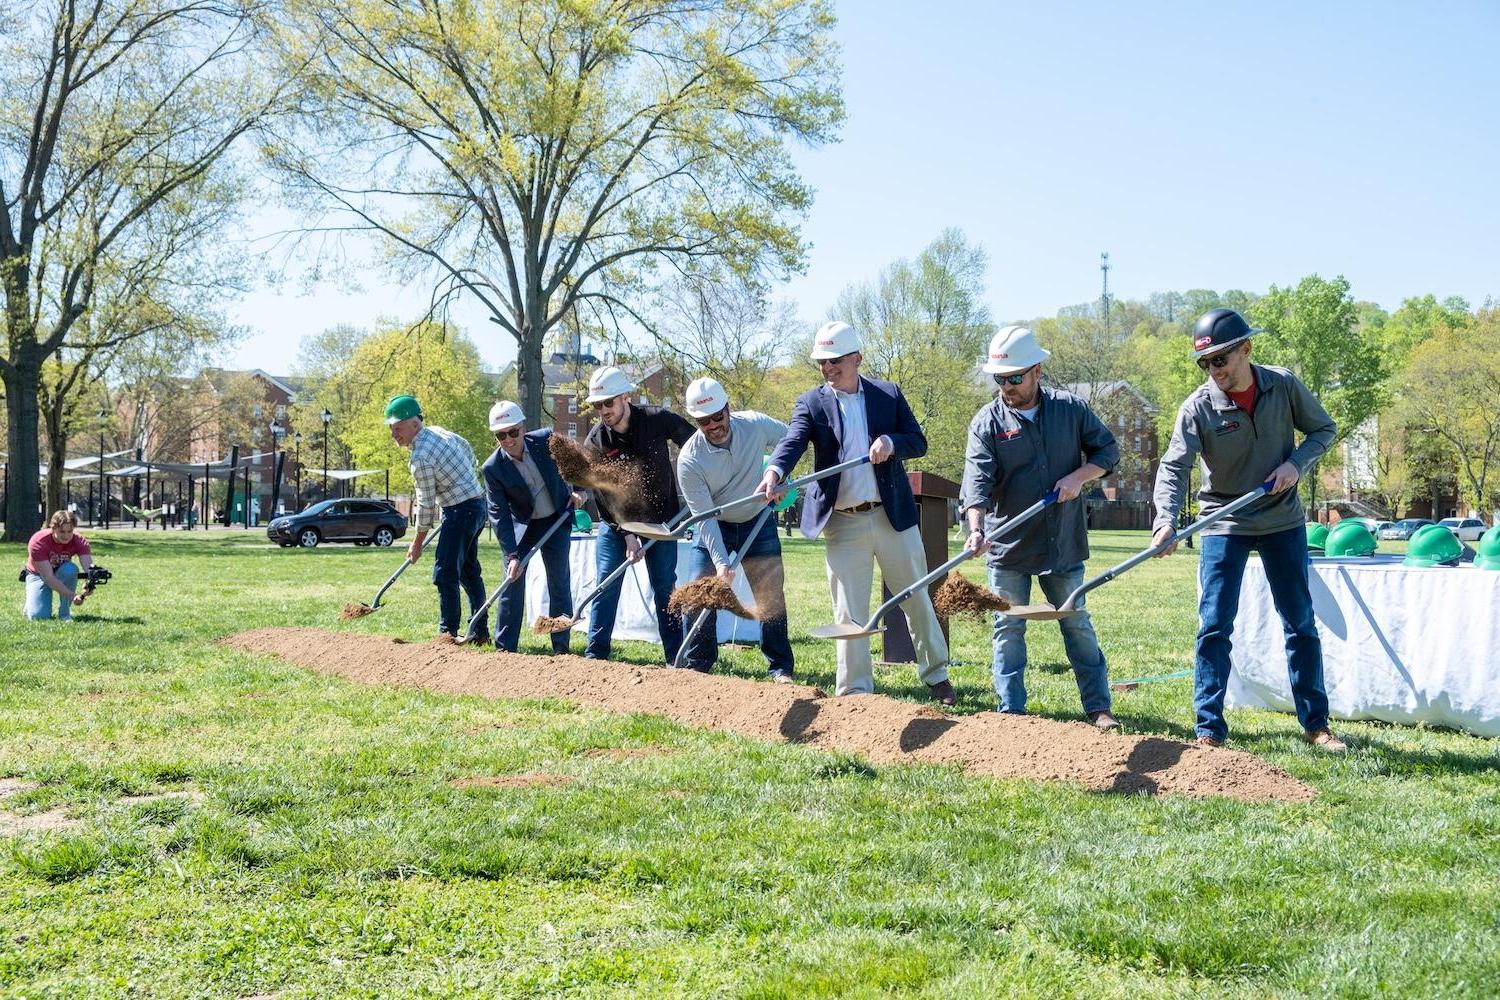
{"points": [[1349, 538], [582, 521], [1489, 550], [1317, 535], [402, 408], [1433, 545]]}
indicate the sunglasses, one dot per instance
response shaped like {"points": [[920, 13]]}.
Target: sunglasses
{"points": [[825, 362], [1015, 379], [514, 432], [717, 418], [1218, 360]]}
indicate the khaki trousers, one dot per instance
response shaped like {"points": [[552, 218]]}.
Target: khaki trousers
{"points": [[855, 543]]}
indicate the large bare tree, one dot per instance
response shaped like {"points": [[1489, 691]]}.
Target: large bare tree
{"points": [[541, 155]]}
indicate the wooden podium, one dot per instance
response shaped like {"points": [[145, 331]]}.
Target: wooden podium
{"points": [[934, 522]]}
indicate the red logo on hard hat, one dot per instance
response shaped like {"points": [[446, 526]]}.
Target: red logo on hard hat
{"points": [[1202, 342], [704, 401], [1000, 355], [826, 342]]}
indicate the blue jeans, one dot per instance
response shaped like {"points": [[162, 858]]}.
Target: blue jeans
{"points": [[762, 566], [1221, 567], [661, 569], [554, 556], [456, 565], [38, 605], [1082, 646]]}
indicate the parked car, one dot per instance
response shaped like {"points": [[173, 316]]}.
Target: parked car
{"points": [[1403, 529], [1468, 529], [1369, 522], [363, 522], [1383, 527]]}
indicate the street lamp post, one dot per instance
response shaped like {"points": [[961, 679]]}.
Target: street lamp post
{"points": [[327, 419], [297, 440], [102, 492]]}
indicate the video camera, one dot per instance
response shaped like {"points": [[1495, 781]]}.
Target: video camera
{"points": [[95, 576]]}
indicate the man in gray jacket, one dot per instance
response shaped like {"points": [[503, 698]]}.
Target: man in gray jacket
{"points": [[1031, 440], [1241, 425]]}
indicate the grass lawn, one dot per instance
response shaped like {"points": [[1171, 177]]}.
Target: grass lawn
{"points": [[316, 847]]}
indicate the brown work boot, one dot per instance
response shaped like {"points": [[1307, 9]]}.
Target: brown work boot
{"points": [[1209, 742], [1324, 740], [942, 693], [1103, 720]]}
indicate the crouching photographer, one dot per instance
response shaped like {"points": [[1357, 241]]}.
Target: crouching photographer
{"points": [[50, 567]]}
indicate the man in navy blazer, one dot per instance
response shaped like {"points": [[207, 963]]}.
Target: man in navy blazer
{"points": [[868, 513], [521, 483]]}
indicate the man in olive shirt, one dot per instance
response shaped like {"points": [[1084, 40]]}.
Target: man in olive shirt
{"points": [[1031, 440], [1241, 424], [637, 435]]}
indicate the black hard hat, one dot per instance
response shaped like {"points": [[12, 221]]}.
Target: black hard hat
{"points": [[1217, 329]]}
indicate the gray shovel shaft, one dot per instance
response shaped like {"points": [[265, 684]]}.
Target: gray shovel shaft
{"points": [[399, 570], [484, 608], [619, 570], [1190, 530], [791, 484], [734, 561], [962, 557]]}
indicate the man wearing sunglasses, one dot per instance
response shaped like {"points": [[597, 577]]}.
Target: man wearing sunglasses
{"points": [[1031, 440], [522, 484], [1241, 425], [636, 434], [868, 513], [722, 462]]}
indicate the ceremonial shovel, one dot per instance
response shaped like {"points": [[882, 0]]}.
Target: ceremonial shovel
{"points": [[375, 604], [840, 630], [734, 561], [665, 533], [563, 624], [479, 615], [1046, 612]]}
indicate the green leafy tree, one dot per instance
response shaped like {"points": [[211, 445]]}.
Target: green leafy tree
{"points": [[1454, 399], [536, 154]]}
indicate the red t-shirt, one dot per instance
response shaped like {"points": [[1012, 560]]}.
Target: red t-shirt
{"points": [[43, 548], [1245, 400]]}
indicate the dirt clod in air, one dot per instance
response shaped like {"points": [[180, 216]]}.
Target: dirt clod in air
{"points": [[711, 593], [618, 481], [512, 781], [352, 611], [880, 729], [556, 623], [959, 596]]}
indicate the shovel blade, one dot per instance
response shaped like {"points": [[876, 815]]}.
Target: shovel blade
{"points": [[1039, 612], [839, 631], [659, 532]]}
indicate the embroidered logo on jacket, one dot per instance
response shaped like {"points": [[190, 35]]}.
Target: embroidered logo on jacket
{"points": [[1010, 435], [1227, 426]]}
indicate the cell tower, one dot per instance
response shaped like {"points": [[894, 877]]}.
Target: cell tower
{"points": [[1104, 295]]}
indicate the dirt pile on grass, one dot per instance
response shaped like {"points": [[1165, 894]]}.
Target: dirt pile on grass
{"points": [[708, 594], [958, 596], [882, 729], [352, 611]]}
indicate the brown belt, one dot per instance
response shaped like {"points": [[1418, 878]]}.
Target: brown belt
{"points": [[860, 508]]}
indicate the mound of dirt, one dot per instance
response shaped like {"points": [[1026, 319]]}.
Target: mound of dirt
{"points": [[958, 596], [557, 623], [710, 593], [882, 729], [352, 611]]}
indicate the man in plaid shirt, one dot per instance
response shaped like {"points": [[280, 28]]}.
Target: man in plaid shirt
{"points": [[442, 472]]}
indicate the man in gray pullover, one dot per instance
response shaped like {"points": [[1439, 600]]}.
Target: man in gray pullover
{"points": [[1241, 425]]}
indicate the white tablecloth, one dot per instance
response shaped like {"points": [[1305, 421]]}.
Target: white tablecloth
{"points": [[1400, 644], [635, 618]]}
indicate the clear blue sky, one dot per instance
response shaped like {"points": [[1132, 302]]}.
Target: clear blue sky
{"points": [[1203, 145]]}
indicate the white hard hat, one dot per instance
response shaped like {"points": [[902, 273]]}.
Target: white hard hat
{"points": [[834, 340], [504, 415], [705, 397], [607, 383], [1014, 349]]}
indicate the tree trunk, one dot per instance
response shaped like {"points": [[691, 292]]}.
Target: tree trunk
{"points": [[57, 457], [23, 500], [529, 375]]}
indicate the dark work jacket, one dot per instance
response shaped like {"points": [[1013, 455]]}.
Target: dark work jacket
{"points": [[644, 445], [815, 420], [508, 495], [1012, 462]]}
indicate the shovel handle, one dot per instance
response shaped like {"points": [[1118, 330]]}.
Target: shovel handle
{"points": [[788, 485], [563, 517], [399, 570], [619, 571], [734, 561]]}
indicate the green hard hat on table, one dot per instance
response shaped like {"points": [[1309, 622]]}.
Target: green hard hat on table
{"points": [[789, 497], [1433, 545], [1349, 538], [1489, 550], [582, 521], [402, 408], [1317, 535]]}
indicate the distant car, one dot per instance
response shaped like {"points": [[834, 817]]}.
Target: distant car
{"points": [[1468, 529], [1383, 527], [1403, 529], [363, 522], [1369, 522]]}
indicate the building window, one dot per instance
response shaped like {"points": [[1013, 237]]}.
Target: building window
{"points": [[572, 404], [572, 430], [280, 411]]}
